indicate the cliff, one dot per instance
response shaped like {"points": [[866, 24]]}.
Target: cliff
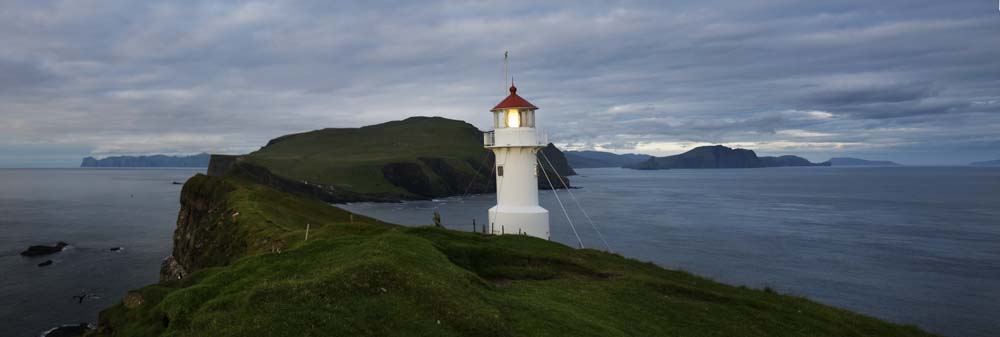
{"points": [[416, 158], [219, 164], [551, 155], [220, 221], [719, 156], [198, 160], [250, 271]]}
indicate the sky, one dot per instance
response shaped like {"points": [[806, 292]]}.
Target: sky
{"points": [[913, 81]]}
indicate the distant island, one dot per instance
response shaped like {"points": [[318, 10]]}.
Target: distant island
{"points": [[844, 161], [719, 156], [595, 159], [159, 160], [986, 163]]}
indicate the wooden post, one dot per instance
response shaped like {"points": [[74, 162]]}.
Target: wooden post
{"points": [[473, 225], [352, 218]]}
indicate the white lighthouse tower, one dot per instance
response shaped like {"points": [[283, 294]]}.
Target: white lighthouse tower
{"points": [[514, 141]]}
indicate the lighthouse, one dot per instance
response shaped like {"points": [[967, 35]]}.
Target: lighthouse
{"points": [[514, 141]]}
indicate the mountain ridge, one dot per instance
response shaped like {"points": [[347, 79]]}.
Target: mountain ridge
{"points": [[598, 159], [719, 156], [157, 160], [849, 161]]}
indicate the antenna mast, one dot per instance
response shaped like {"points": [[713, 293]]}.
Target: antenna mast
{"points": [[506, 68]]}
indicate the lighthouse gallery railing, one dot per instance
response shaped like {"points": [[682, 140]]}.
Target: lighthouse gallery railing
{"points": [[538, 138]]}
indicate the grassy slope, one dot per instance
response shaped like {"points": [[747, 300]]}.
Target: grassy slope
{"points": [[352, 159], [374, 279]]}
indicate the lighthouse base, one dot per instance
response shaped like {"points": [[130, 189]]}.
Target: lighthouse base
{"points": [[524, 220]]}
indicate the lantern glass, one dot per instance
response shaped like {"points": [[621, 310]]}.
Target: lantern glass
{"points": [[513, 118]]}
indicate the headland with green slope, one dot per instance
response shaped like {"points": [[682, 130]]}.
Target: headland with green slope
{"points": [[252, 258], [252, 272], [415, 158]]}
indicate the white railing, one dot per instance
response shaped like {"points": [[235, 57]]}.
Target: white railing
{"points": [[489, 138], [515, 137]]}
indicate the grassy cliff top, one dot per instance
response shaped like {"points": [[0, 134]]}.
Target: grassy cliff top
{"points": [[353, 158], [367, 278]]}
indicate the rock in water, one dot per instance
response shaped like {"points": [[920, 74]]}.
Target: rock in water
{"points": [[72, 330], [44, 250], [43, 264], [116, 249]]}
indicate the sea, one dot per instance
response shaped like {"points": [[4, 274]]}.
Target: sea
{"points": [[912, 245], [94, 211]]}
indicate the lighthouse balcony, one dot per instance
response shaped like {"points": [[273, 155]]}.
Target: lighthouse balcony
{"points": [[510, 137]]}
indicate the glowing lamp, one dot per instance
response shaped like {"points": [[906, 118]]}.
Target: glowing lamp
{"points": [[513, 118]]}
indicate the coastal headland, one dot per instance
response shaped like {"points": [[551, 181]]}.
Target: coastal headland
{"points": [[254, 257]]}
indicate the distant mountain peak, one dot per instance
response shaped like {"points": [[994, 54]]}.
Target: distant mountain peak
{"points": [[156, 160], [986, 163], [720, 156], [595, 159], [848, 161]]}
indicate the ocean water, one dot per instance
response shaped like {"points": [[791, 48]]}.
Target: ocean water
{"points": [[917, 245], [913, 245], [93, 210]]}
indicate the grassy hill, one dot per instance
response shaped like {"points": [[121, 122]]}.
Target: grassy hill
{"points": [[415, 158], [354, 158], [251, 272]]}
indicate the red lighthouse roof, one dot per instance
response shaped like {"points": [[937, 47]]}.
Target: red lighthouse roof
{"points": [[514, 101]]}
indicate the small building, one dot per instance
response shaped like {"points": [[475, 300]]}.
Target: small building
{"points": [[515, 140]]}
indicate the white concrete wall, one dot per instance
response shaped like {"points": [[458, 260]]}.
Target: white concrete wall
{"points": [[533, 221], [530, 137], [517, 209]]}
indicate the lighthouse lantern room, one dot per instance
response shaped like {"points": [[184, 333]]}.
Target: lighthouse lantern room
{"points": [[515, 141]]}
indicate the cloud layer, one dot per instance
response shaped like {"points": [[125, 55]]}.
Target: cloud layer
{"points": [[915, 81]]}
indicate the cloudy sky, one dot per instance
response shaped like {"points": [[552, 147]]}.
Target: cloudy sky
{"points": [[913, 81]]}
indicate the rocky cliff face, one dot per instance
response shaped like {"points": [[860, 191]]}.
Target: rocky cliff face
{"points": [[222, 219], [219, 164], [207, 234], [552, 154]]}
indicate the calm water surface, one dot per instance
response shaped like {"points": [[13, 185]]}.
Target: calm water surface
{"points": [[93, 210], [918, 245], [912, 245]]}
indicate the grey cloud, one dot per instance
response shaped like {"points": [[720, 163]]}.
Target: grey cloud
{"points": [[21, 75], [126, 76], [893, 93]]}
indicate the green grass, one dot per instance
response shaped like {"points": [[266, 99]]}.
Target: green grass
{"points": [[369, 278], [352, 158]]}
